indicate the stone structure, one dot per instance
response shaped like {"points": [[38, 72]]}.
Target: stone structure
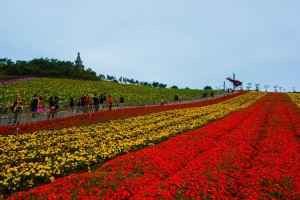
{"points": [[78, 62]]}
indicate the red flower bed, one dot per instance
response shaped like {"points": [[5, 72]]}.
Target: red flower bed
{"points": [[87, 119], [251, 154], [256, 159]]}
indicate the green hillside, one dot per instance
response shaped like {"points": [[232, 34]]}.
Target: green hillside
{"points": [[67, 88]]}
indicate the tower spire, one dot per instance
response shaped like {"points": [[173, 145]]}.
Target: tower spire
{"points": [[78, 62]]}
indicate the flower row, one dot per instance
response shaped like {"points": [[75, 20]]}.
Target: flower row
{"points": [[295, 98], [29, 159], [251, 154]]}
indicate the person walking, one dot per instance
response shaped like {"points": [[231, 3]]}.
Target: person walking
{"points": [[52, 108], [33, 105], [71, 103], [121, 101], [110, 101], [16, 108], [101, 101], [96, 102], [86, 104], [40, 102], [56, 103], [78, 104], [82, 103]]}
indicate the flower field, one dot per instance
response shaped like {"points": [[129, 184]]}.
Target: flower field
{"points": [[66, 88], [246, 147], [39, 157]]}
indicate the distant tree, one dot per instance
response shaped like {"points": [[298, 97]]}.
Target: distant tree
{"points": [[114, 79], [45, 67], [141, 83], [121, 79], [131, 81], [89, 70], [155, 84], [125, 80], [110, 78], [89, 74], [174, 87], [144, 83], [6, 61], [207, 88], [101, 76], [19, 68], [161, 85], [147, 84]]}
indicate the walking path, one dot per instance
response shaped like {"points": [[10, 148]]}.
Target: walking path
{"points": [[26, 117]]}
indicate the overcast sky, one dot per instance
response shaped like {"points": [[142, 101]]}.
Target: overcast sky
{"points": [[187, 43]]}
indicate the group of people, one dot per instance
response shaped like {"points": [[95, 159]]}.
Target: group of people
{"points": [[83, 102], [17, 106], [36, 105]]}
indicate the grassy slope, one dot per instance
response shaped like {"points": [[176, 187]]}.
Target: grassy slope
{"points": [[66, 88]]}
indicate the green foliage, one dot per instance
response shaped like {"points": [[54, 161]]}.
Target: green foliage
{"points": [[207, 88], [44, 67]]}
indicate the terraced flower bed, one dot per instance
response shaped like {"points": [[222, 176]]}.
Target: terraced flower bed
{"points": [[40, 157], [251, 154]]}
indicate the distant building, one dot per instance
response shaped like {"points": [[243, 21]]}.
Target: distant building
{"points": [[78, 62]]}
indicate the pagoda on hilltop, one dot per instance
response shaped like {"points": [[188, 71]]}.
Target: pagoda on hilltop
{"points": [[78, 63]]}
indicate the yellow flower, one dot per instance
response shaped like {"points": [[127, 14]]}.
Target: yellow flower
{"points": [[27, 173], [30, 182], [51, 178]]}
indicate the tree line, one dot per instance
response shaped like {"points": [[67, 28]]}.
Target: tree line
{"points": [[45, 67]]}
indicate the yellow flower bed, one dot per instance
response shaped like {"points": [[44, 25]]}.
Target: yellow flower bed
{"points": [[28, 159], [295, 98]]}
